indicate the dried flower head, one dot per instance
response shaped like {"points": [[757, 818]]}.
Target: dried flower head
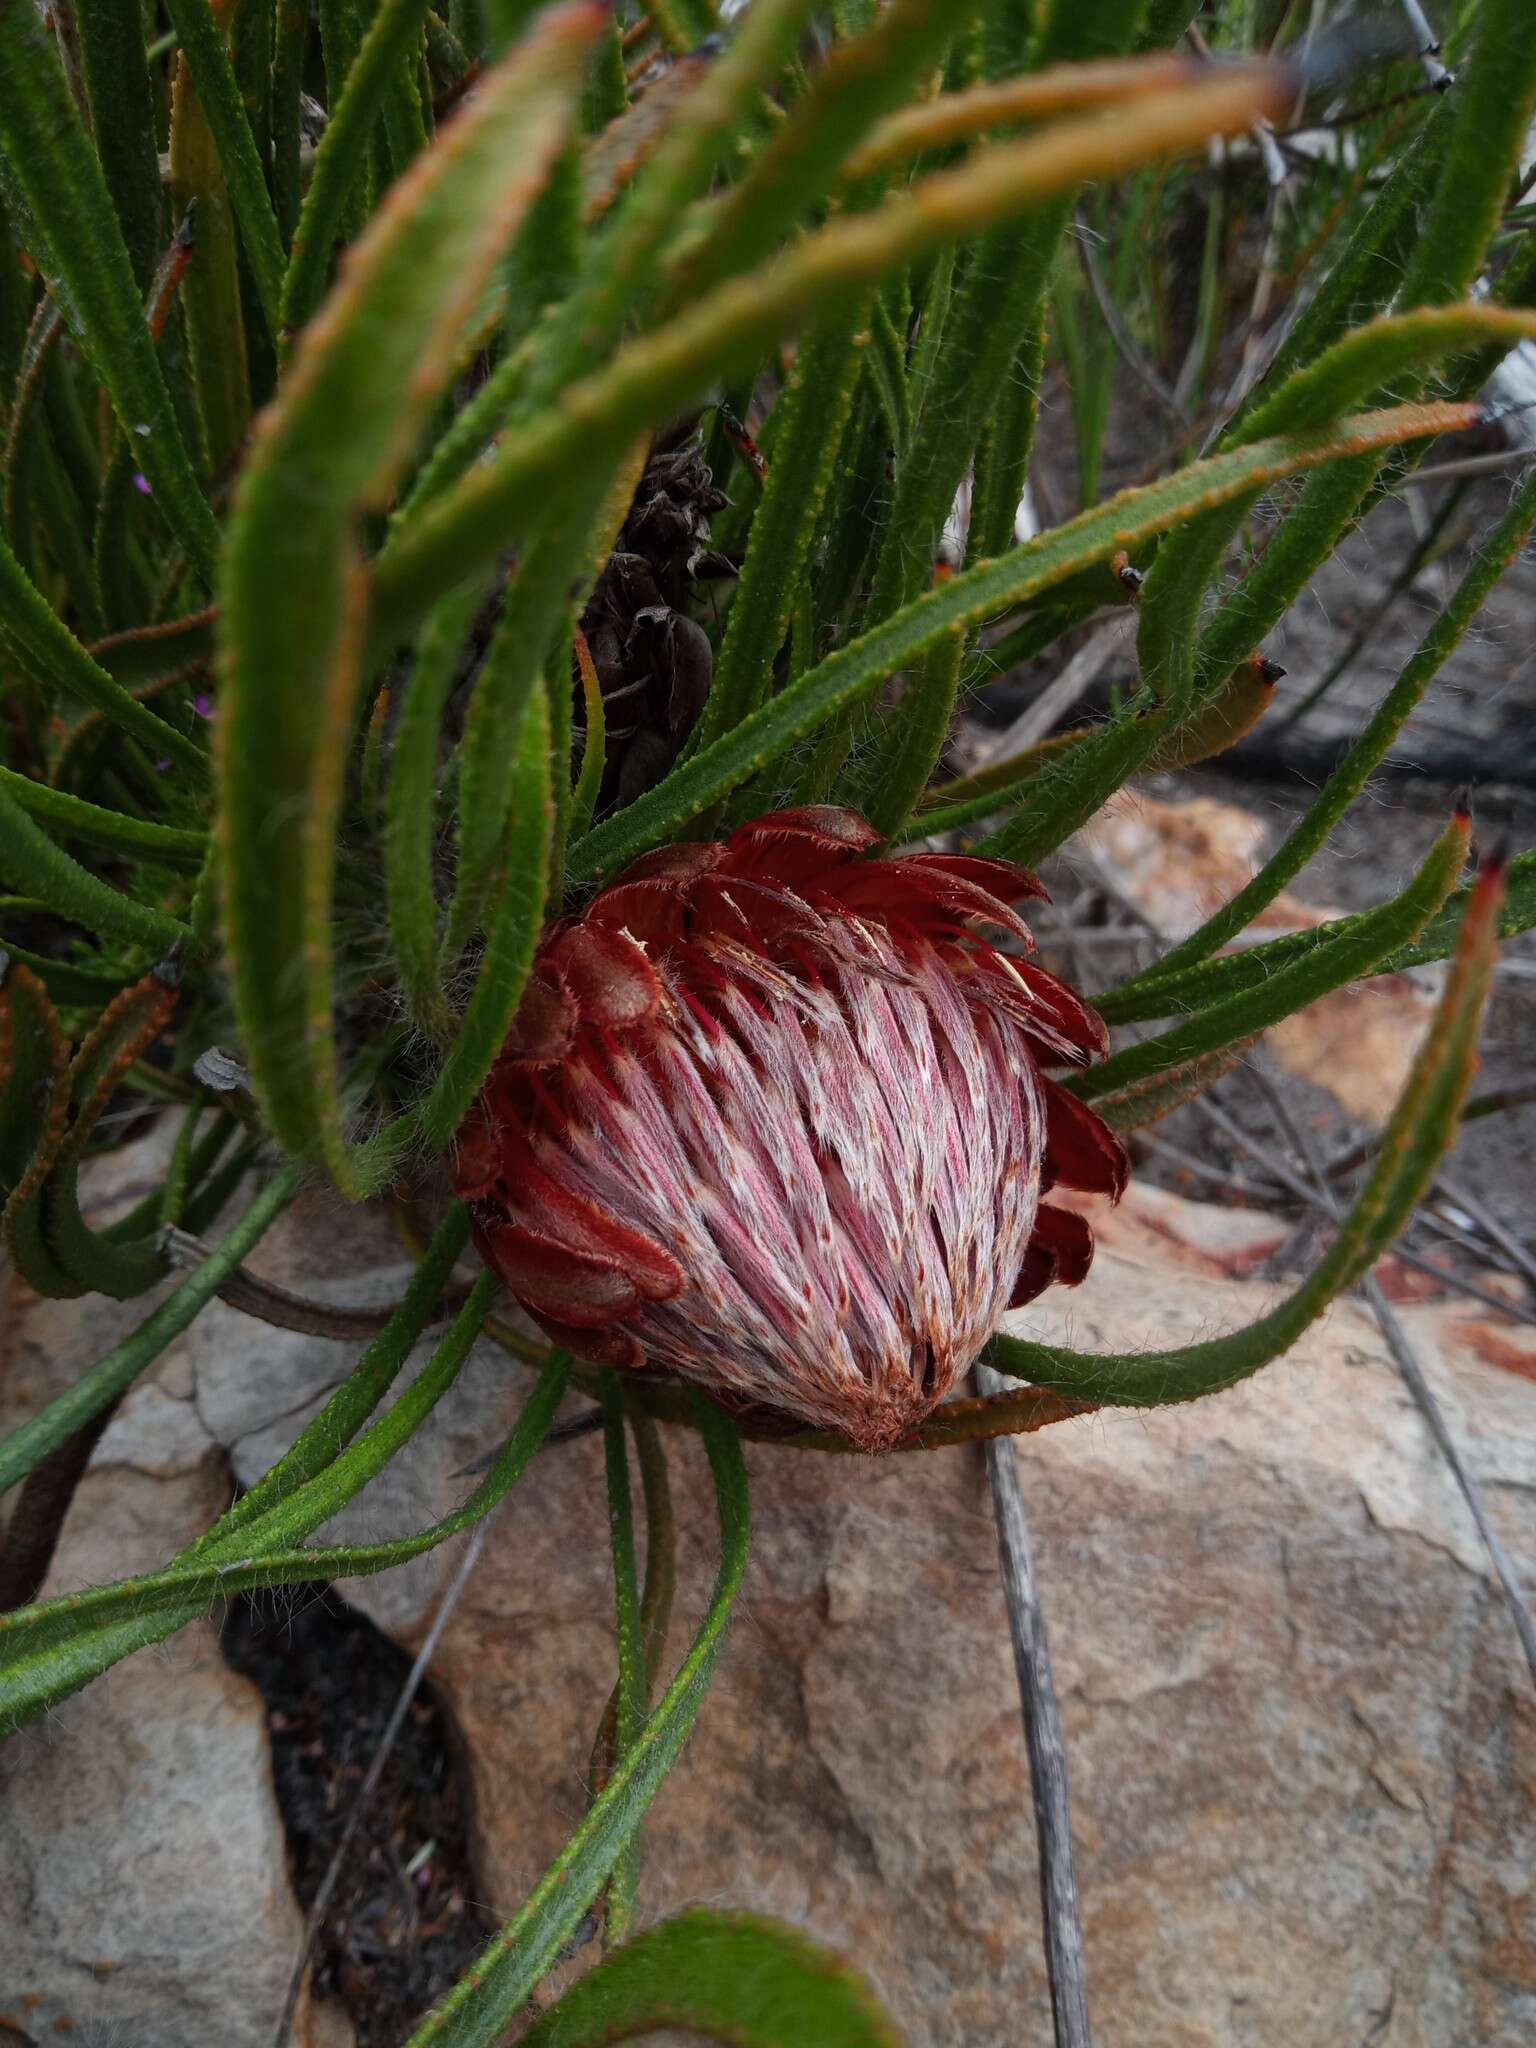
{"points": [[772, 1117]]}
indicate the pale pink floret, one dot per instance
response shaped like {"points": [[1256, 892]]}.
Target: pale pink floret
{"points": [[848, 1186], [772, 1120]]}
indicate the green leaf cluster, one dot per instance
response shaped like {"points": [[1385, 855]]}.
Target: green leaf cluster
{"points": [[313, 447]]}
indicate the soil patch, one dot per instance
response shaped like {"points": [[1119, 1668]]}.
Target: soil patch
{"points": [[403, 1922]]}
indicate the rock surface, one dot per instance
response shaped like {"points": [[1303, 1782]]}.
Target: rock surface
{"points": [[1180, 861], [144, 1886], [1302, 1741], [143, 1872]]}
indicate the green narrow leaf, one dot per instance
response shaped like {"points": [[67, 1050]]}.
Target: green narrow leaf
{"points": [[341, 160], [15, 294], [483, 2004], [96, 1262], [1352, 950], [1306, 538], [76, 819], [1422, 1127], [514, 933], [408, 124], [660, 1579], [202, 50], [1369, 750], [998, 300], [1145, 1102], [1002, 461], [343, 1560], [193, 1160], [410, 837], [471, 429], [38, 1130], [76, 242], [123, 120], [853, 512], [30, 860], [119, 508], [546, 259], [998, 795], [145, 655], [25, 429], [455, 35], [729, 328], [886, 358], [1194, 988], [371, 771], [1076, 780], [1172, 652], [1372, 356], [123, 589], [54, 653], [1366, 274], [298, 1511], [923, 721], [932, 321], [210, 293], [1174, 656], [594, 746], [987, 591], [1492, 107], [1331, 502], [205, 1207], [322, 1440], [1517, 913], [50, 1651], [341, 37], [252, 49], [180, 1174], [812, 416], [67, 983], [706, 124], [1489, 115], [26, 1447], [629, 1696], [732, 1977], [289, 50], [33, 1060], [861, 80], [523, 649], [65, 507], [295, 593], [607, 94], [660, 1588]]}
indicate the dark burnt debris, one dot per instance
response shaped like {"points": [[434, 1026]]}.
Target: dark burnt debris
{"points": [[405, 1917], [653, 658]]}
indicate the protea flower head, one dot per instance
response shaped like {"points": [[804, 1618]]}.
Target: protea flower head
{"points": [[772, 1118]]}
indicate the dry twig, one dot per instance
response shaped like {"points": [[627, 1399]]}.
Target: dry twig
{"points": [[1062, 1914], [1412, 1373]]}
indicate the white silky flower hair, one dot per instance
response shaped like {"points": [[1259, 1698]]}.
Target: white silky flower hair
{"points": [[773, 1118]]}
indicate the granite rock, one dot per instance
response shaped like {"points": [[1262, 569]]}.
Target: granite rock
{"points": [[1178, 862], [1301, 1735], [143, 1885], [1303, 1744]]}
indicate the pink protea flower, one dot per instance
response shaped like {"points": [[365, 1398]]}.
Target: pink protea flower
{"points": [[772, 1118]]}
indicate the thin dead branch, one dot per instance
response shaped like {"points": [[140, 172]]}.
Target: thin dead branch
{"points": [[1063, 1921]]}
